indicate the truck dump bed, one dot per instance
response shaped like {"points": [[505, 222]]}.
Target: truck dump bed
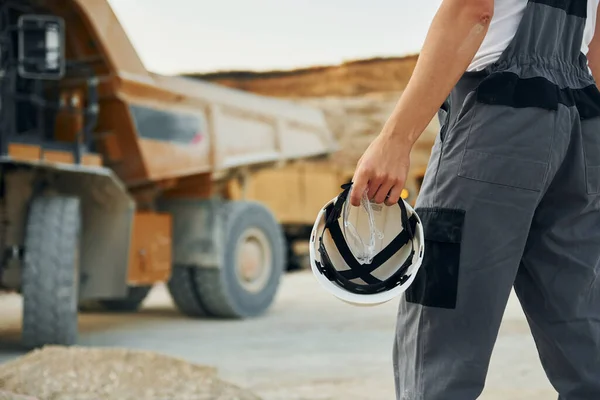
{"points": [[156, 127], [246, 128]]}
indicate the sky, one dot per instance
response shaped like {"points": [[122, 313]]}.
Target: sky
{"points": [[174, 36]]}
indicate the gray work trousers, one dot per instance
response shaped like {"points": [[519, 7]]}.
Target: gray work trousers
{"points": [[511, 198]]}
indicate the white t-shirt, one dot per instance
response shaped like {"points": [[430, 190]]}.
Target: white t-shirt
{"points": [[504, 24]]}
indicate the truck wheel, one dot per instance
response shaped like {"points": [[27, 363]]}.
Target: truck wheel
{"points": [[253, 261], [51, 272], [135, 297], [183, 290], [254, 258]]}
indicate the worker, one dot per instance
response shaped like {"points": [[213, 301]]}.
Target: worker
{"points": [[510, 198]]}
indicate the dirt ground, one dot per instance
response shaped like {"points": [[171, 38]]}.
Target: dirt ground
{"points": [[308, 347]]}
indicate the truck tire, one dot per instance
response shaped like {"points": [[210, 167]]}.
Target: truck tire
{"points": [[135, 297], [238, 289], [50, 277], [225, 292], [183, 290]]}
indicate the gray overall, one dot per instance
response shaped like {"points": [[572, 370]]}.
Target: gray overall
{"points": [[511, 198]]}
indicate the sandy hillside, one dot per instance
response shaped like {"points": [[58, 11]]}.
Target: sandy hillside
{"points": [[352, 78], [356, 120], [357, 98]]}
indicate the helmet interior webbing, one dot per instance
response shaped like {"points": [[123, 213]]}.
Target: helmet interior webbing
{"points": [[364, 271]]}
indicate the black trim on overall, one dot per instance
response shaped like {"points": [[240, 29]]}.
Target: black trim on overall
{"points": [[364, 271], [508, 89], [576, 8]]}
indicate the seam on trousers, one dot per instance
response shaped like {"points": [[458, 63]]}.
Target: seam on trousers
{"points": [[496, 184], [437, 167], [418, 389], [421, 345], [446, 130], [548, 167], [586, 169], [466, 144]]}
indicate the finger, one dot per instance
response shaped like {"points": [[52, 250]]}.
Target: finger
{"points": [[383, 191], [373, 188], [375, 184], [394, 196], [359, 186]]}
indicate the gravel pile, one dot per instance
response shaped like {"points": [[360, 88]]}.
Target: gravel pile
{"points": [[4, 395], [74, 373]]}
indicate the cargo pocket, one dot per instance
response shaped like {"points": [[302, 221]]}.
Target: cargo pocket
{"points": [[436, 283], [508, 146]]}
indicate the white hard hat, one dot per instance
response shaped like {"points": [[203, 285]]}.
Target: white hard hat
{"points": [[390, 272]]}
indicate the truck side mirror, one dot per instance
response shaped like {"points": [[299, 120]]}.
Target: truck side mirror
{"points": [[41, 47]]}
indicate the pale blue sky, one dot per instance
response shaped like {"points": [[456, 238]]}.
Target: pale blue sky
{"points": [[175, 36]]}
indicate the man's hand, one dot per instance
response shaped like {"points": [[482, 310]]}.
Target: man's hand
{"points": [[381, 171], [455, 35]]}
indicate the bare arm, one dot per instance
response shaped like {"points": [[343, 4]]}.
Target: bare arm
{"points": [[594, 51], [455, 35]]}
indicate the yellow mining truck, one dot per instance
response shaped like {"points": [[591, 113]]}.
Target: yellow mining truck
{"points": [[113, 178]]}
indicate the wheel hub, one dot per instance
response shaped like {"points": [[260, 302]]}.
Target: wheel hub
{"points": [[254, 260]]}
